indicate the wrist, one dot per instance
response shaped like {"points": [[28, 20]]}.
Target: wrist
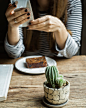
{"points": [[61, 28], [12, 28], [61, 36], [61, 31]]}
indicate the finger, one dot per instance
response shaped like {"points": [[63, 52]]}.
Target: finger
{"points": [[40, 20], [17, 14], [21, 22], [10, 9], [47, 24], [9, 5], [19, 19], [43, 24], [50, 29], [40, 29], [46, 29]]}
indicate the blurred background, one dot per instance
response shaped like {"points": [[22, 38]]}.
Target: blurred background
{"points": [[3, 25]]}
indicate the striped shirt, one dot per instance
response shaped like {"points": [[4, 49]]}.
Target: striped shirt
{"points": [[72, 45]]}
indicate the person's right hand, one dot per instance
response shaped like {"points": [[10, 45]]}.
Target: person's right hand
{"points": [[18, 17]]}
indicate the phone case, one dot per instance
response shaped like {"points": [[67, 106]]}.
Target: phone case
{"points": [[24, 4]]}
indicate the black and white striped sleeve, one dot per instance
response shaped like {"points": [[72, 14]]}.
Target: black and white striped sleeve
{"points": [[74, 23], [15, 51]]}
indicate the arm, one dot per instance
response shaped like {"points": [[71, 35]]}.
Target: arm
{"points": [[15, 51], [66, 45], [14, 39], [74, 24]]}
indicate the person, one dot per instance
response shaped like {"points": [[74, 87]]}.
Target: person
{"points": [[55, 30]]}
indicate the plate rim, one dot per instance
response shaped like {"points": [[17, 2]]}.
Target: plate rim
{"points": [[31, 57]]}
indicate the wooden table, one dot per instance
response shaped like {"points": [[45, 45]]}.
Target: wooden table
{"points": [[26, 90]]}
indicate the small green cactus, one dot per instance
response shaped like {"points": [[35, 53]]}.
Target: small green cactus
{"points": [[53, 77]]}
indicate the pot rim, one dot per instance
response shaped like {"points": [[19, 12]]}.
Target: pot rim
{"points": [[57, 88]]}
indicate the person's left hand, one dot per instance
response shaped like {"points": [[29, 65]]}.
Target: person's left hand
{"points": [[46, 23]]}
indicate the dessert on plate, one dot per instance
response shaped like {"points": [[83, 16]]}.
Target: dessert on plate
{"points": [[36, 62]]}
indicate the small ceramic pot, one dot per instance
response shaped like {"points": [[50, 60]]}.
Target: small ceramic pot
{"points": [[56, 96]]}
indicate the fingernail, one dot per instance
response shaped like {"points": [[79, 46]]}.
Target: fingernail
{"points": [[27, 27], [25, 10], [28, 17], [28, 13], [14, 5], [29, 23]]}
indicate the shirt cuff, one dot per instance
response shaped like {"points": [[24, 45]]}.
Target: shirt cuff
{"points": [[12, 46], [70, 49], [14, 51]]}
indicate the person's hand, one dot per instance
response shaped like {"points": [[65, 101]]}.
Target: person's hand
{"points": [[46, 23], [18, 17], [49, 23]]}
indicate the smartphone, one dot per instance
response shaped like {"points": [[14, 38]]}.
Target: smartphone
{"points": [[24, 4]]}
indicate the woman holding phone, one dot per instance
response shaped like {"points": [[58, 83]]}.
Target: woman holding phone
{"points": [[55, 31]]}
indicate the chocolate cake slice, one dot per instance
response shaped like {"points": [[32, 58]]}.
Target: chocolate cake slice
{"points": [[36, 62]]}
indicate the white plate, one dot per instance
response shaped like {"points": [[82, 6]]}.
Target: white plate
{"points": [[21, 65], [52, 105]]}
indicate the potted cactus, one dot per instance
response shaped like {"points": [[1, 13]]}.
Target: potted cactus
{"points": [[56, 88]]}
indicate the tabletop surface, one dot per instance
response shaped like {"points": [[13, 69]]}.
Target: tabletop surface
{"points": [[26, 90]]}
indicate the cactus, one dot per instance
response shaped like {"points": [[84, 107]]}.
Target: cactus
{"points": [[53, 77]]}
